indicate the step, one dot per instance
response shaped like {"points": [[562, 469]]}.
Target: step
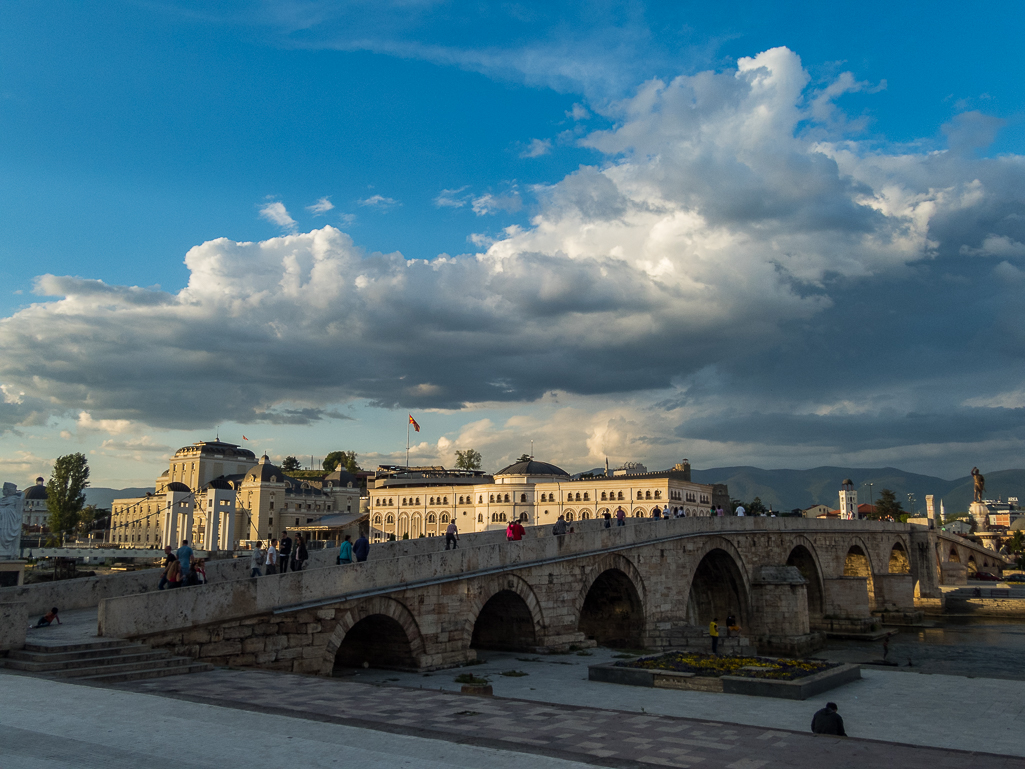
{"points": [[134, 675], [74, 647], [70, 656], [46, 666], [123, 667]]}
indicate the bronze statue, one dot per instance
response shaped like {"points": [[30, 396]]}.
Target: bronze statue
{"points": [[980, 483]]}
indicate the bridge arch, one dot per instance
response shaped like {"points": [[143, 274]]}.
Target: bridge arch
{"points": [[504, 614], [899, 561], [858, 563], [805, 558], [610, 607], [953, 556], [719, 585], [379, 631]]}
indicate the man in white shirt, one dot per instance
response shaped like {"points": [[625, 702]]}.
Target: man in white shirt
{"points": [[272, 557], [741, 511]]}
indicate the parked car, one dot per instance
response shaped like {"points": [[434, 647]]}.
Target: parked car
{"points": [[982, 576], [1015, 578]]}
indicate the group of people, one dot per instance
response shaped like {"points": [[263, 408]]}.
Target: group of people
{"points": [[181, 568], [350, 551], [278, 558]]}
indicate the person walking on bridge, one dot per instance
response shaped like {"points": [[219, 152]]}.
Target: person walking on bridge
{"points": [[345, 551], [272, 557], [361, 548], [452, 536], [284, 553], [620, 516], [255, 560], [185, 558]]}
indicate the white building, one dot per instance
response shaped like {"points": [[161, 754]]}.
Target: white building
{"points": [[422, 501], [35, 512], [848, 501]]}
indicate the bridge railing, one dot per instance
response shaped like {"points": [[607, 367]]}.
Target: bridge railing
{"points": [[413, 564]]}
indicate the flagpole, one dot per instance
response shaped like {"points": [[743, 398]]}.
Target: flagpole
{"points": [[407, 442]]}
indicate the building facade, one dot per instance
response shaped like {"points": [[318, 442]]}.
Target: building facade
{"points": [[423, 501], [35, 514], [220, 495]]}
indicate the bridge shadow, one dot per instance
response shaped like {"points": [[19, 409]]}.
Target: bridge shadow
{"points": [[377, 641], [612, 613], [504, 624], [717, 591]]}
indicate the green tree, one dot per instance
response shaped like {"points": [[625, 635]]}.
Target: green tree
{"points": [[887, 506], [65, 493], [755, 507], [469, 459], [347, 459], [290, 464]]}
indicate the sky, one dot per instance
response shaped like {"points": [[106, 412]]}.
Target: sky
{"points": [[742, 234]]}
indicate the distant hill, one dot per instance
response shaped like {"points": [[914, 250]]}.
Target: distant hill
{"points": [[787, 489], [103, 498]]}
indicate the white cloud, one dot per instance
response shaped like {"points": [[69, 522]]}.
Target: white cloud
{"points": [[997, 245], [322, 206], [579, 112], [379, 201], [537, 148], [451, 198], [276, 213], [510, 202], [23, 467], [110, 426]]}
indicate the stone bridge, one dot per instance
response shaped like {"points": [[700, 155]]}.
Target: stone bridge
{"points": [[648, 584]]}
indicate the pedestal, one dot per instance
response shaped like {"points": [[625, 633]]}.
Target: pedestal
{"points": [[12, 573], [980, 514]]}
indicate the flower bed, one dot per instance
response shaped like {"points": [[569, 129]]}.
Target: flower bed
{"points": [[746, 667]]}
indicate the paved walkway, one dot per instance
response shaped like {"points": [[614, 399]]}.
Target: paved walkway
{"points": [[584, 734]]}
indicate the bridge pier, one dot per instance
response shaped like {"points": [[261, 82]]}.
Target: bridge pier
{"points": [[847, 608], [779, 614]]}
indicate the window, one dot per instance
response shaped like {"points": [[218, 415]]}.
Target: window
{"points": [[296, 521], [480, 517], [418, 500], [377, 520], [390, 518], [569, 516], [432, 501], [523, 497], [460, 500], [270, 521], [620, 495], [444, 517], [390, 502], [491, 498], [587, 496], [480, 499], [658, 494], [444, 500], [506, 497], [647, 495], [430, 518], [271, 504]]}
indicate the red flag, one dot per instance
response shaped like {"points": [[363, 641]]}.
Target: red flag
{"points": [[413, 422], [244, 438]]}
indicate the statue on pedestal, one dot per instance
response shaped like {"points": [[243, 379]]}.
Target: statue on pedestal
{"points": [[980, 483], [11, 506]]}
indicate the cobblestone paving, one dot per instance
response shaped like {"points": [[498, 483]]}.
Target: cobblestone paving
{"points": [[593, 735]]}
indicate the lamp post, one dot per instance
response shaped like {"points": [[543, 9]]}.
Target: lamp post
{"points": [[911, 504], [871, 497]]}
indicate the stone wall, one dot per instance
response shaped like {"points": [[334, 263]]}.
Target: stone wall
{"points": [[13, 625]]}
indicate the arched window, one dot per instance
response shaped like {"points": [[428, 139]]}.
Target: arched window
{"points": [[444, 517], [430, 518], [444, 500], [377, 520], [620, 495], [391, 502], [506, 497], [480, 517], [586, 496], [502, 518], [647, 495], [491, 498], [658, 494], [544, 497], [639, 514], [403, 501], [480, 499], [432, 501], [390, 518], [569, 516], [523, 497], [603, 497], [585, 516], [418, 500]]}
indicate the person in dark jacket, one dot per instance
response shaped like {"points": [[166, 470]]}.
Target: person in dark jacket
{"points": [[300, 555], [361, 548], [828, 721], [284, 553]]}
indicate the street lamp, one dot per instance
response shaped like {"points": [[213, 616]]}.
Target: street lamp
{"points": [[911, 504], [871, 497]]}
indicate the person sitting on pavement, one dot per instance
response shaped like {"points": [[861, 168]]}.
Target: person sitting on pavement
{"points": [[47, 619], [828, 721]]}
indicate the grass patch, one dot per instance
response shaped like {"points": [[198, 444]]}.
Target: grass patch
{"points": [[470, 678], [515, 673]]}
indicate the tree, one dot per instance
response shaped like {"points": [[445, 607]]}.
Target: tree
{"points": [[65, 493], [887, 506], [89, 516], [347, 459], [291, 464], [469, 459], [755, 507]]}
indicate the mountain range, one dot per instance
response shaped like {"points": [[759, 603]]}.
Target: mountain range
{"points": [[789, 489]]}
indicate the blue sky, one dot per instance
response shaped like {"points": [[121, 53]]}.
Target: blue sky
{"points": [[745, 234]]}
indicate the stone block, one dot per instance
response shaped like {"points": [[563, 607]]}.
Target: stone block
{"points": [[270, 628], [254, 644], [243, 660], [221, 648], [291, 653], [239, 631], [275, 642], [325, 613], [313, 652], [262, 658]]}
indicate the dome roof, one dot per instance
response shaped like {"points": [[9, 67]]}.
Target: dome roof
{"points": [[36, 492], [265, 472], [847, 482], [532, 467], [219, 483], [177, 486], [215, 448], [341, 478], [1018, 525]]}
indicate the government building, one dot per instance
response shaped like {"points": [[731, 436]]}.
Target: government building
{"points": [[217, 494], [409, 502]]}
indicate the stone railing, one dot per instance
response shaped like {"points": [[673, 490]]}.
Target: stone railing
{"points": [[408, 563]]}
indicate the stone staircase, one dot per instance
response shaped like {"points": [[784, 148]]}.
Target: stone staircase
{"points": [[103, 662]]}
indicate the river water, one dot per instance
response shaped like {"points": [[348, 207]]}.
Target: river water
{"points": [[961, 646]]}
